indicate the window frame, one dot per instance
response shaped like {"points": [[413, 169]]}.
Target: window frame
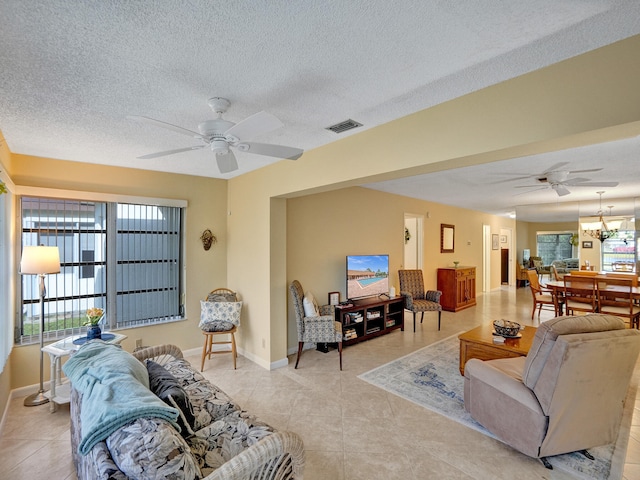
{"points": [[107, 198]]}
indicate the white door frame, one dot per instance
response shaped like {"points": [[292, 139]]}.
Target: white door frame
{"points": [[486, 258], [419, 237]]}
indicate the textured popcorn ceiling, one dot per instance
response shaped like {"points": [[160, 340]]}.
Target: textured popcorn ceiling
{"points": [[71, 71]]}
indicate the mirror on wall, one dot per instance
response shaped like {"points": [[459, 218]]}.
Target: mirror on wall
{"points": [[447, 238]]}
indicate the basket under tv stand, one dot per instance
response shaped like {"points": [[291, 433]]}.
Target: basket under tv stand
{"points": [[369, 317]]}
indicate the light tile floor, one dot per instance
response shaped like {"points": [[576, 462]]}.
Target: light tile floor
{"points": [[351, 429]]}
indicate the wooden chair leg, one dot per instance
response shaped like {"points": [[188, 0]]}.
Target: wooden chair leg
{"points": [[340, 353], [439, 315], [414, 322], [207, 340], [233, 349], [421, 317], [300, 345]]}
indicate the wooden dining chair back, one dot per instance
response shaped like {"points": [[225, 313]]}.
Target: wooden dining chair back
{"points": [[615, 297], [629, 276], [580, 294], [584, 273], [542, 297], [555, 275]]}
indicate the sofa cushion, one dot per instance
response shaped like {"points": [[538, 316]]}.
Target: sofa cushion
{"points": [[225, 438], [163, 384], [208, 401], [150, 448], [572, 263]]}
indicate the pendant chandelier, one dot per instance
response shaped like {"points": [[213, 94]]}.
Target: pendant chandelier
{"points": [[600, 229]]}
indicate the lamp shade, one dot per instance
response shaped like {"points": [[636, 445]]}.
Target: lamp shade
{"points": [[39, 260]]}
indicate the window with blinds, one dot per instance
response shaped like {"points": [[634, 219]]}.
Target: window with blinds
{"points": [[124, 258]]}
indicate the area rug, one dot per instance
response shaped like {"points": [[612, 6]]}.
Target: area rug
{"points": [[430, 377]]}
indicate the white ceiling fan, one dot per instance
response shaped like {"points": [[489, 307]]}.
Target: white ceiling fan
{"points": [[558, 179], [221, 135]]}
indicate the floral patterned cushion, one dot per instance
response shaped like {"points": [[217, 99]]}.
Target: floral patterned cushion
{"points": [[221, 440], [208, 401], [219, 316], [150, 448]]}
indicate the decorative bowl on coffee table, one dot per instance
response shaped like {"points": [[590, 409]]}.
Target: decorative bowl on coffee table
{"points": [[506, 328]]}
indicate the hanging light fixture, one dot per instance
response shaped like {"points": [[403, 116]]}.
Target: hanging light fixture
{"points": [[600, 229]]}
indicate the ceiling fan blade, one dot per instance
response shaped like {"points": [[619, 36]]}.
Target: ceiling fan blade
{"points": [[170, 152], [596, 184], [168, 126], [561, 190], [515, 179], [575, 181], [278, 151], [530, 191], [259, 123], [556, 167], [585, 171], [227, 162]]}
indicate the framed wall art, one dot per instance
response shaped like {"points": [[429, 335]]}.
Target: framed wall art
{"points": [[494, 242]]}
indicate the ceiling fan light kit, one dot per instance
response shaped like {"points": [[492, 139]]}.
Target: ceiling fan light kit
{"points": [[221, 136]]}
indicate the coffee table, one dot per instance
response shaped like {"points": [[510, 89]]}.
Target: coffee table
{"points": [[478, 343]]}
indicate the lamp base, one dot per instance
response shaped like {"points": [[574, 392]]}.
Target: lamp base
{"points": [[36, 399]]}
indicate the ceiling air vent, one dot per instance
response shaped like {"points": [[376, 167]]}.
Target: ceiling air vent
{"points": [[344, 126]]}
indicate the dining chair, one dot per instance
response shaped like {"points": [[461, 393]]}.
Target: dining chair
{"points": [[580, 294], [615, 297], [542, 297], [554, 274]]}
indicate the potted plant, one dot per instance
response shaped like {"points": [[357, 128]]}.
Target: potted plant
{"points": [[94, 316]]}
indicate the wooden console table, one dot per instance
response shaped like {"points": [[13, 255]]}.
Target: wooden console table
{"points": [[458, 287], [370, 317], [478, 343]]}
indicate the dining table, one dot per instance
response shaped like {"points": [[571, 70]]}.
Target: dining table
{"points": [[557, 287]]}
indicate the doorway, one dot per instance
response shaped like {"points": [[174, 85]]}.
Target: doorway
{"points": [[413, 241]]}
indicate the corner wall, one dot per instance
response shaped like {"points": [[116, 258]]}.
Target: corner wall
{"points": [[204, 270]]}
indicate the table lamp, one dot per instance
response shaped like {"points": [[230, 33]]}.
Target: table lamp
{"points": [[39, 260]]}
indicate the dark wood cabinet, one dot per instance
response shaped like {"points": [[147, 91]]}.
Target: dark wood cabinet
{"points": [[369, 317], [458, 287]]}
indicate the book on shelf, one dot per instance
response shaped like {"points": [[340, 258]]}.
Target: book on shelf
{"points": [[373, 330], [373, 315], [390, 323]]}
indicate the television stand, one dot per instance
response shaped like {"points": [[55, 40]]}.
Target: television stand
{"points": [[370, 317]]}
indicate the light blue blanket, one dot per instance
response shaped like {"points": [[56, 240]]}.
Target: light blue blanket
{"points": [[115, 391]]}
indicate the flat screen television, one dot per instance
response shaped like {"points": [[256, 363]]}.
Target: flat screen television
{"points": [[367, 275]]}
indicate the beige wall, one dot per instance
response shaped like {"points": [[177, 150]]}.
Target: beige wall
{"points": [[324, 228], [205, 270]]}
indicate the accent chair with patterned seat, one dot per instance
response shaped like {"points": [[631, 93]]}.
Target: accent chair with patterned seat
{"points": [[219, 315], [416, 298], [315, 323]]}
